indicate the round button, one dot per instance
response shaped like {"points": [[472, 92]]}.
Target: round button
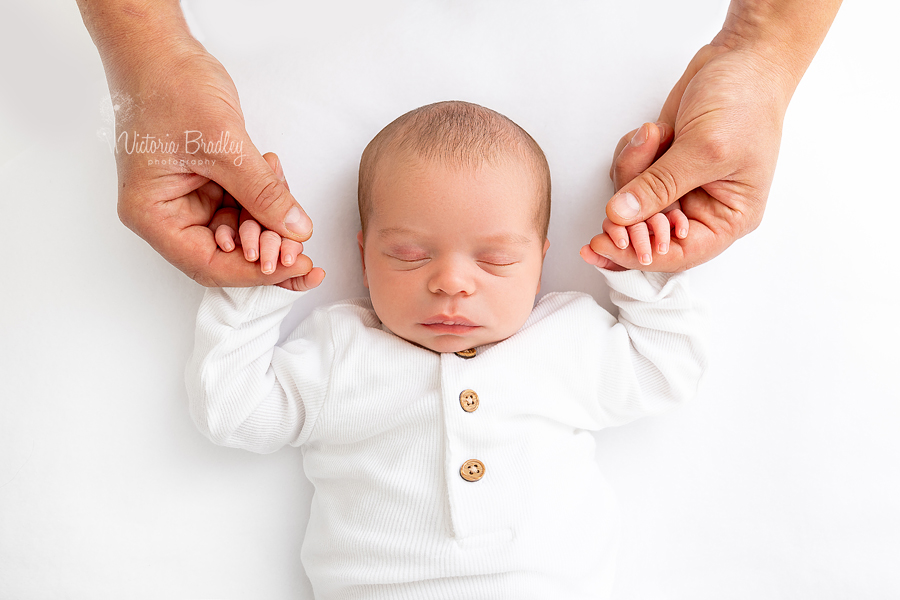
{"points": [[466, 353], [468, 400], [472, 470]]}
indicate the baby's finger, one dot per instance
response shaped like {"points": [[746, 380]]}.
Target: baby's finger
{"points": [[290, 250], [269, 245], [304, 282], [225, 237], [659, 225], [249, 233], [679, 222], [617, 233], [225, 216], [640, 239]]}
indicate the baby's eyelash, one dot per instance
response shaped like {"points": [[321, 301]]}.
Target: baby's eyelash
{"points": [[409, 260], [496, 264]]}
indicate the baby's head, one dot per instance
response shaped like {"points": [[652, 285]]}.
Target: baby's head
{"points": [[454, 201]]}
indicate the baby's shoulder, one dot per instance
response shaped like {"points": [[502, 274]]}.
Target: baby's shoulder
{"points": [[351, 310], [555, 308]]}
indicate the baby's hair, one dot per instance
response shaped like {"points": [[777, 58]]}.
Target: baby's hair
{"points": [[460, 135]]}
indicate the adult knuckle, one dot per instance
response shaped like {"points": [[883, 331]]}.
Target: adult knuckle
{"points": [[660, 183], [716, 149], [268, 195]]}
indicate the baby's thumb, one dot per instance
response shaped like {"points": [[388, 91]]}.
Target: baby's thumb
{"points": [[264, 193], [681, 169]]}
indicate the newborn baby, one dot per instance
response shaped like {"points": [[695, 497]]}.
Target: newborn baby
{"points": [[445, 422]]}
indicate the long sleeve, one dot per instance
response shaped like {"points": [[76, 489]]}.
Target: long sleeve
{"points": [[244, 390], [660, 355]]}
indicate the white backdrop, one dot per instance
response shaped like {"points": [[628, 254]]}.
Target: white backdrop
{"points": [[779, 481]]}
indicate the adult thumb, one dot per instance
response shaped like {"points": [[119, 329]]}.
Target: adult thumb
{"points": [[264, 193], [685, 166]]}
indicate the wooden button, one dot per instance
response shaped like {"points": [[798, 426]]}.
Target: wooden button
{"points": [[466, 353], [468, 400], [472, 470]]}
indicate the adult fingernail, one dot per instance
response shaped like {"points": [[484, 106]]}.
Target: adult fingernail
{"points": [[278, 170], [640, 136], [626, 205], [297, 221]]}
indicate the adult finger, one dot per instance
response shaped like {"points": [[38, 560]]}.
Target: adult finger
{"points": [[692, 161], [254, 184], [632, 157]]}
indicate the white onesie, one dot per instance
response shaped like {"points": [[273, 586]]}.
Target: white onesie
{"points": [[439, 476]]}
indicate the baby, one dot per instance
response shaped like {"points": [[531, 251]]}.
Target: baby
{"points": [[445, 421]]}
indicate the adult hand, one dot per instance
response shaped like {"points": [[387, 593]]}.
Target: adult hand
{"points": [[182, 147], [727, 112], [727, 117], [667, 228]]}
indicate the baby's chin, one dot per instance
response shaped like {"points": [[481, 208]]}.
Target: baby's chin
{"points": [[456, 343]]}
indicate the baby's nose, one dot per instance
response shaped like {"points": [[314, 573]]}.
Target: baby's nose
{"points": [[452, 277]]}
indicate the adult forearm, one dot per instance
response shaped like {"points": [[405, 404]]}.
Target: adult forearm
{"points": [[787, 33], [128, 31]]}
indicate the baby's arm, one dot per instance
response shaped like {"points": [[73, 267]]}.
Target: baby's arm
{"points": [[245, 391], [651, 357]]}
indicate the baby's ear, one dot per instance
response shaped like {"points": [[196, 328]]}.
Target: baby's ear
{"points": [[362, 257]]}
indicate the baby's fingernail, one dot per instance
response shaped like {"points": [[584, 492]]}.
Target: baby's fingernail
{"points": [[288, 260], [268, 268], [645, 259], [640, 136], [626, 205], [682, 233], [251, 255], [228, 247], [297, 221], [623, 243], [663, 248]]}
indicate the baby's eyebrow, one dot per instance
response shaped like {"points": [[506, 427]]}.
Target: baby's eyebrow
{"points": [[389, 231], [506, 237]]}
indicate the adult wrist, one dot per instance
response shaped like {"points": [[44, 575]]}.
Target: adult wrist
{"points": [[783, 34], [128, 32]]}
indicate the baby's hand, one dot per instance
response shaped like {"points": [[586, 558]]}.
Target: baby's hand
{"points": [[647, 144], [660, 226], [234, 227]]}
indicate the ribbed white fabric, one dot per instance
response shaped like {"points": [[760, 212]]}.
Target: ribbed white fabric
{"points": [[384, 435]]}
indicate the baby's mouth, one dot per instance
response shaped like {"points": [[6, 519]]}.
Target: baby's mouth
{"points": [[449, 324]]}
